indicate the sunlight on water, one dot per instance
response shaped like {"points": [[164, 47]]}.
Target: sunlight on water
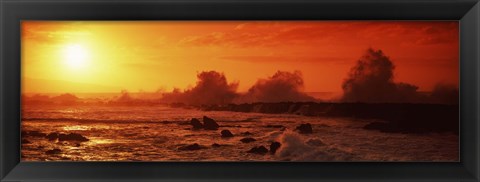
{"points": [[96, 141], [76, 128]]}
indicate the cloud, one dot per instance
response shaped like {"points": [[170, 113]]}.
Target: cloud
{"points": [[211, 88], [302, 59], [52, 32], [281, 87], [255, 34]]}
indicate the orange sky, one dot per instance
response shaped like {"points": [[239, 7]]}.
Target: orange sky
{"points": [[96, 56]]}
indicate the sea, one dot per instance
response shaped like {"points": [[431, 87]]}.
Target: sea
{"points": [[157, 133]]}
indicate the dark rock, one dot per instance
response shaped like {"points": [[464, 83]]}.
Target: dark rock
{"points": [[216, 145], [226, 133], [248, 140], [72, 137], [196, 123], [246, 133], [52, 136], [305, 128], [274, 147], [53, 151], [401, 117], [258, 150], [25, 141], [209, 123], [194, 146]]}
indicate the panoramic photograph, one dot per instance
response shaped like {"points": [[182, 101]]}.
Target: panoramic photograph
{"points": [[213, 91]]}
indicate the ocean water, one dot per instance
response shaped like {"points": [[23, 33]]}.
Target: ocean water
{"points": [[155, 133]]}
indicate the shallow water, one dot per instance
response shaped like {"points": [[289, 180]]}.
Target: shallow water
{"points": [[155, 133]]}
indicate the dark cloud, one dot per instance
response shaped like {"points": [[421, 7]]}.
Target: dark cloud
{"points": [[211, 88], [281, 87]]}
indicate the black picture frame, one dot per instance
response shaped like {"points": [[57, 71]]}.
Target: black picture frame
{"points": [[12, 12]]}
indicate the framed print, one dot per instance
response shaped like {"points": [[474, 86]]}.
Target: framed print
{"points": [[210, 90]]}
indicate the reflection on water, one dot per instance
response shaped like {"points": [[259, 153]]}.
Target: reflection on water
{"points": [[157, 133], [75, 128]]}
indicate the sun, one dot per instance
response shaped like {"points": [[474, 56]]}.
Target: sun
{"points": [[76, 56]]}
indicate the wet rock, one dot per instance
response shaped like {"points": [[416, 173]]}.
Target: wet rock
{"points": [[53, 151], [25, 141], [274, 147], [194, 146], [52, 136], [196, 123], [258, 150], [304, 128], [226, 133], [209, 123], [247, 140], [72, 137]]}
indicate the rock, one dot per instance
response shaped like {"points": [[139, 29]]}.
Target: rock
{"points": [[25, 141], [258, 150], [246, 133], [194, 146], [52, 136], [226, 133], [304, 128], [274, 147], [72, 137], [53, 151], [196, 123], [248, 140], [216, 145], [209, 123]]}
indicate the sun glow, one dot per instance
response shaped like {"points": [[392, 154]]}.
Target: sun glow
{"points": [[76, 56]]}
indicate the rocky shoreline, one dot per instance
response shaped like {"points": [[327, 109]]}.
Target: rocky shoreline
{"points": [[394, 117]]}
